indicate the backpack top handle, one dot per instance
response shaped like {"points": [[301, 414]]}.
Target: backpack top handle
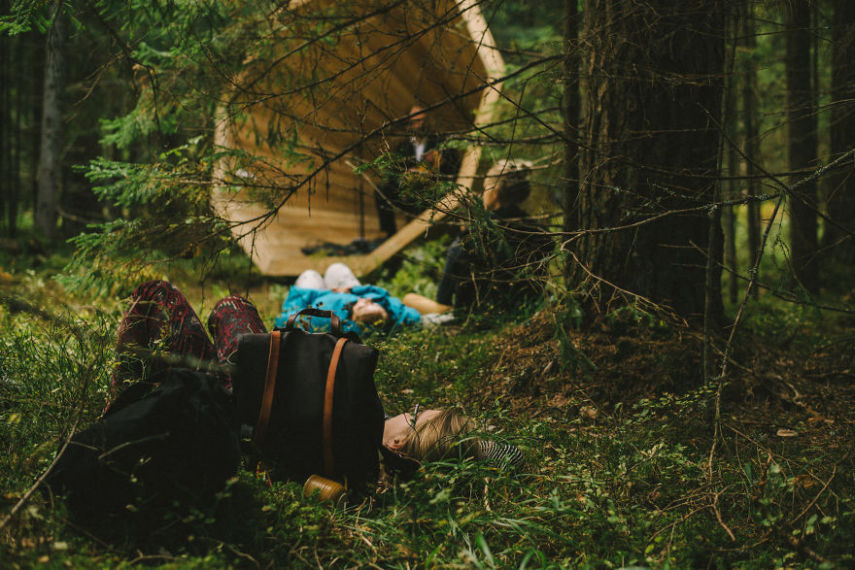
{"points": [[335, 321]]}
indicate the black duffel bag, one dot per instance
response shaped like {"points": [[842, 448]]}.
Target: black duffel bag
{"points": [[172, 438], [311, 402]]}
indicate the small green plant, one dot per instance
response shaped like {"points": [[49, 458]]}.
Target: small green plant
{"points": [[419, 271]]}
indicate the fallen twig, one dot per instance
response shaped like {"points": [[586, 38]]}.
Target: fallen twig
{"points": [[821, 491], [26, 497]]}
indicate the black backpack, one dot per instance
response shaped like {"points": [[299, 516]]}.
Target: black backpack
{"points": [[172, 438], [311, 402]]}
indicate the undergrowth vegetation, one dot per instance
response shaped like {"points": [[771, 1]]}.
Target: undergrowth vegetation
{"points": [[624, 467]]}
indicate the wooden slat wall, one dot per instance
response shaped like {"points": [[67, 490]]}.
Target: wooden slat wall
{"points": [[443, 62]]}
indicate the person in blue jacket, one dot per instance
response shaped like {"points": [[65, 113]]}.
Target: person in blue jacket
{"points": [[361, 308]]}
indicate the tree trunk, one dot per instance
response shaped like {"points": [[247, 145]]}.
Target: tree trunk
{"points": [[651, 104], [730, 257], [50, 159], [37, 80], [5, 118], [16, 141], [749, 119], [571, 121], [732, 189], [801, 117], [838, 235]]}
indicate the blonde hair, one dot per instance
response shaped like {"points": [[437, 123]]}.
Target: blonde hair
{"points": [[436, 437], [370, 313]]}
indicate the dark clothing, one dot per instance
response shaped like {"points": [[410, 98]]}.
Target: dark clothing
{"points": [[169, 435], [477, 261], [160, 317], [392, 196], [456, 262], [359, 246], [511, 214], [163, 446]]}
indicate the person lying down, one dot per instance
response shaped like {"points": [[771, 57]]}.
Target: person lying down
{"points": [[169, 364], [433, 434], [159, 315], [361, 308]]}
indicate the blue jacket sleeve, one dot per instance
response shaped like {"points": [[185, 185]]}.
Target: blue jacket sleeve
{"points": [[406, 316]]}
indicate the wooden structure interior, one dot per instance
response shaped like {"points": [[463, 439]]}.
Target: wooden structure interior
{"points": [[308, 111]]}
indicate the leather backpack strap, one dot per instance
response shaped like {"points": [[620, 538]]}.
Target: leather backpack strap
{"points": [[328, 408], [263, 420]]}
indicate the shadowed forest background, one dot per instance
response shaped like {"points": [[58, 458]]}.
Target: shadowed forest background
{"points": [[680, 382]]}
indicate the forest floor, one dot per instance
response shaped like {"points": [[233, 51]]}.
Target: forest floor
{"points": [[632, 458], [770, 388]]}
